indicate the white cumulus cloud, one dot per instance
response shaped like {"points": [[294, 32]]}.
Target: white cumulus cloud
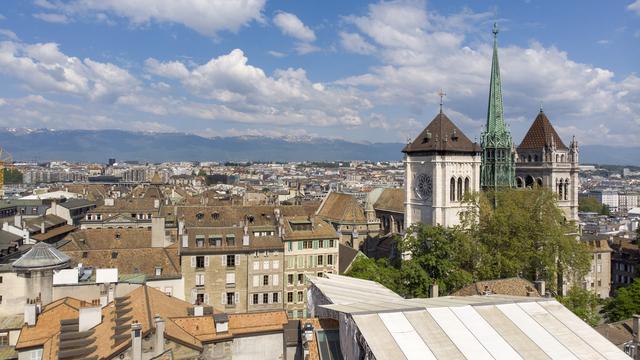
{"points": [[291, 25]]}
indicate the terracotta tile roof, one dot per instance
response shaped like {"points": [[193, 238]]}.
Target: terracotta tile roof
{"points": [[618, 332], [441, 135], [342, 208], [272, 242], [95, 239], [511, 286], [541, 134], [391, 200], [346, 256], [131, 261], [204, 329], [598, 245], [127, 205], [60, 230], [48, 324]]}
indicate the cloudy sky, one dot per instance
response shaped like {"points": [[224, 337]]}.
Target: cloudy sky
{"points": [[341, 69]]}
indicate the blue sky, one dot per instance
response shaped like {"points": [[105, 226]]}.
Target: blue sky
{"points": [[361, 71]]}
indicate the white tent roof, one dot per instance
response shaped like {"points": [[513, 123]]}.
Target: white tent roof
{"points": [[462, 327]]}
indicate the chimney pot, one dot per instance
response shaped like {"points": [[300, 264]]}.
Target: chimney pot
{"points": [[636, 328], [433, 290], [136, 341], [158, 347]]}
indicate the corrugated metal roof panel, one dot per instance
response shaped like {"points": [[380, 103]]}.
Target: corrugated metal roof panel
{"points": [[406, 336], [459, 334], [435, 338], [378, 337]]}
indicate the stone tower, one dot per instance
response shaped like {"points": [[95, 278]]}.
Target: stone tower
{"points": [[441, 165], [544, 160], [498, 155]]}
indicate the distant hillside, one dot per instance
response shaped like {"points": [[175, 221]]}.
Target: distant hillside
{"points": [[98, 145]]}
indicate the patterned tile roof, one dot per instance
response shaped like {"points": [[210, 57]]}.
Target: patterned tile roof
{"points": [[541, 134], [442, 135]]}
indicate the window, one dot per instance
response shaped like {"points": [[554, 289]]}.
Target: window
{"points": [[459, 189], [84, 256], [215, 216], [300, 261], [231, 279], [168, 290], [331, 243], [265, 280], [467, 186], [114, 254], [255, 299], [291, 262], [231, 260], [452, 189], [158, 271], [265, 298], [199, 241], [4, 339], [199, 261], [290, 279], [289, 245], [320, 260], [0, 299], [265, 264], [0, 279], [231, 240], [329, 259], [256, 265], [275, 279], [300, 296], [599, 257], [300, 279], [274, 298], [199, 279], [215, 240], [289, 297], [320, 274], [199, 216], [599, 282], [230, 298], [276, 264]]}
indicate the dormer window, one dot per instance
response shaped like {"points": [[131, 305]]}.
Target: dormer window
{"points": [[454, 135], [199, 216], [427, 137], [251, 219], [215, 215]]}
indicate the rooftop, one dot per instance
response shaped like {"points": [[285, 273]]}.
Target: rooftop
{"points": [[41, 256]]}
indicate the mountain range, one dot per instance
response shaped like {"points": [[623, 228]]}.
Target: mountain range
{"points": [[99, 145]]}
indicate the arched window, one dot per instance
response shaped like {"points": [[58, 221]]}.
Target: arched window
{"points": [[467, 185], [519, 182], [529, 158], [539, 182], [460, 189], [562, 158], [535, 158], [566, 189], [557, 158], [560, 190], [528, 181], [452, 190]]}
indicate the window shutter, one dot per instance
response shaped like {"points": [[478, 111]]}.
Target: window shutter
{"points": [[269, 299], [325, 243], [206, 299], [236, 298], [193, 296], [256, 280], [237, 260], [206, 261], [315, 244], [299, 245], [193, 261], [275, 279], [256, 265], [276, 264], [223, 301], [224, 260]]}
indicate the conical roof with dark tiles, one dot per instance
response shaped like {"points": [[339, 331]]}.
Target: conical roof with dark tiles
{"points": [[540, 135], [441, 135]]}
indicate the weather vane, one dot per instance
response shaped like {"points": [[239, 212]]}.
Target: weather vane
{"points": [[442, 95]]}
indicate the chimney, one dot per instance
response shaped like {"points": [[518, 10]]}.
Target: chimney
{"points": [[30, 313], [42, 228], [17, 221], [136, 341], [104, 298], [108, 202], [433, 290], [180, 227], [158, 346], [307, 338], [156, 203], [90, 316], [540, 286], [198, 310]]}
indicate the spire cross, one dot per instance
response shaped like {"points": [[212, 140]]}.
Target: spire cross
{"points": [[442, 94], [495, 29]]}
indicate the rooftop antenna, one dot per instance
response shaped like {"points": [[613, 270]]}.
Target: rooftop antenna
{"points": [[442, 95]]}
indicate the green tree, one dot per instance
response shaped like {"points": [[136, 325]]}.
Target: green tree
{"points": [[440, 253], [624, 304], [583, 303], [376, 270], [201, 172], [589, 204], [522, 232]]}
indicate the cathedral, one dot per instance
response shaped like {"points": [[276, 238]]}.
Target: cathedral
{"points": [[442, 164]]}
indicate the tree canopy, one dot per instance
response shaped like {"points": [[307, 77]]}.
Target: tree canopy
{"points": [[503, 234], [583, 303], [589, 204], [12, 176], [624, 304]]}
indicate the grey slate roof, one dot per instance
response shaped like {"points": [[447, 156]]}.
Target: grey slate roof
{"points": [[76, 203], [41, 256]]}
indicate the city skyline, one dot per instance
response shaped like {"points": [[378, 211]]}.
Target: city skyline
{"points": [[354, 71]]}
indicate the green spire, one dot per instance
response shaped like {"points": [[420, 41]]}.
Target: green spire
{"points": [[498, 156], [495, 113]]}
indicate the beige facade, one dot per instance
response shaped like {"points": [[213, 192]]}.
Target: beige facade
{"points": [[598, 280], [311, 248]]}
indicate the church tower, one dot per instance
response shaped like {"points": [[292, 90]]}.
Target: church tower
{"points": [[441, 166], [543, 159], [498, 155]]}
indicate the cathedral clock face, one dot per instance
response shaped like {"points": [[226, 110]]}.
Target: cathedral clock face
{"points": [[424, 187]]}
